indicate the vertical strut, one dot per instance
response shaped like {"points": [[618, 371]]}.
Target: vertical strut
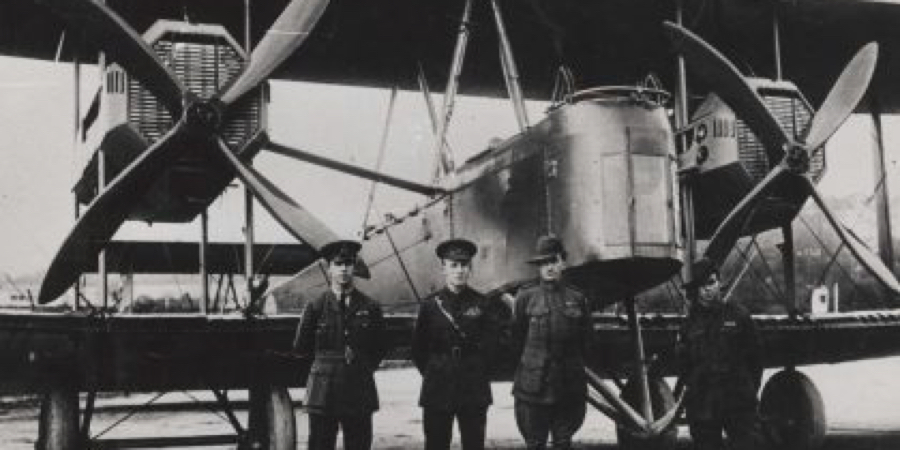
{"points": [[687, 188], [76, 81], [248, 242], [385, 133], [204, 269], [88, 415], [101, 184], [639, 361], [510, 72], [776, 42], [445, 159], [882, 194], [787, 258], [248, 195]]}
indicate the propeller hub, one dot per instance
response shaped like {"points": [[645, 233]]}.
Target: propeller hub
{"points": [[797, 158], [205, 115]]}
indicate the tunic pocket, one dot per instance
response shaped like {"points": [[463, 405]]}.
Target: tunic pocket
{"points": [[319, 385], [532, 372]]}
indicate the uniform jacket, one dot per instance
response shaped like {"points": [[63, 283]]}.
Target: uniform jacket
{"points": [[455, 365], [347, 345], [721, 355], [552, 332]]}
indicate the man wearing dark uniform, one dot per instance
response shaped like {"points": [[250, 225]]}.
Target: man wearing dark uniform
{"points": [[552, 333], [343, 331], [454, 343], [721, 351]]}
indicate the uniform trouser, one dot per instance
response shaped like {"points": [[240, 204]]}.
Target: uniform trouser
{"points": [[438, 427], [742, 428], [323, 430], [559, 420]]}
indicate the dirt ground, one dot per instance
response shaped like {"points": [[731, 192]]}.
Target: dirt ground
{"points": [[861, 400]]}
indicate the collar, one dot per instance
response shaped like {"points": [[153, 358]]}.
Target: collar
{"points": [[338, 293], [450, 292], [551, 285]]}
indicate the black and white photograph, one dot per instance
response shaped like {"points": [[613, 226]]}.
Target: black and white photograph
{"points": [[450, 224]]}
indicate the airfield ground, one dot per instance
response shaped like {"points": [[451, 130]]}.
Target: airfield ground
{"points": [[862, 401]]}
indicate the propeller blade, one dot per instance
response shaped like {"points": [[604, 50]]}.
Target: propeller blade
{"points": [[353, 170], [728, 83], [124, 46], [729, 230], [846, 93], [287, 33], [863, 254], [293, 217], [105, 215]]}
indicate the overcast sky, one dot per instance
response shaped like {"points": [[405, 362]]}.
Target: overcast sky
{"points": [[38, 164]]}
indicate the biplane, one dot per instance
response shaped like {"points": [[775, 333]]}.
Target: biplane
{"points": [[639, 183]]}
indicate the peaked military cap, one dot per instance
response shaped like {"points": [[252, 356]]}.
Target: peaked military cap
{"points": [[701, 270], [456, 249], [547, 248], [340, 250]]}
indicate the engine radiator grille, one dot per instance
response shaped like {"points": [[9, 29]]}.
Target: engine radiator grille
{"points": [[794, 115], [204, 64]]}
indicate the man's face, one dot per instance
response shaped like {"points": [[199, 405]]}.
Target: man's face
{"points": [[552, 269], [710, 292], [457, 273], [341, 271]]}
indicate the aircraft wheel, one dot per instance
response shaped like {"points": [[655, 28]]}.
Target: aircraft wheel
{"points": [[272, 423], [663, 400], [58, 423], [793, 412]]}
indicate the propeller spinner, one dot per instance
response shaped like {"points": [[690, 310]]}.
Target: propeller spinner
{"points": [[194, 116], [794, 154]]}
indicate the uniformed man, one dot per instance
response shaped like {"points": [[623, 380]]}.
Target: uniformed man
{"points": [[343, 331], [552, 333], [721, 353], [454, 344]]}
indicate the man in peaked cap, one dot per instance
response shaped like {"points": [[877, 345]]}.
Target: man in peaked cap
{"points": [[720, 350], [342, 330], [454, 343], [552, 335]]}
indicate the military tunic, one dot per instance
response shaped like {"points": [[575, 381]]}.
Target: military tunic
{"points": [[552, 333], [347, 344], [455, 364], [721, 352]]}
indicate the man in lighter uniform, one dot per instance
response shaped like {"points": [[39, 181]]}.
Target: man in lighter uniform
{"points": [[552, 334]]}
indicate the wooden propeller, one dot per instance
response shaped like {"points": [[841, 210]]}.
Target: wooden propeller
{"points": [[793, 154], [193, 116]]}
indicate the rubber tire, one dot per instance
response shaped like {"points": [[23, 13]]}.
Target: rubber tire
{"points": [[793, 412], [272, 424], [58, 423], [663, 400]]}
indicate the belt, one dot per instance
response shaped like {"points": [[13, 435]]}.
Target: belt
{"points": [[456, 351], [329, 355]]}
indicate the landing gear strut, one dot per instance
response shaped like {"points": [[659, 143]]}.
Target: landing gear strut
{"points": [[663, 401], [271, 423]]}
